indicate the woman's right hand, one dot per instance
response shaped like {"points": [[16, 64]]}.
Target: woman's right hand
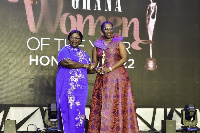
{"points": [[92, 66], [87, 66], [100, 70]]}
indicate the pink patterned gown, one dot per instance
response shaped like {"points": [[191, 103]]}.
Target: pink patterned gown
{"points": [[112, 106]]}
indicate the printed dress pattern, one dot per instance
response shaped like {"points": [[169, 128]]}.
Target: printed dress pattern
{"points": [[113, 106], [71, 91]]}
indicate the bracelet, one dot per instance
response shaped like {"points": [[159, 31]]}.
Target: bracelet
{"points": [[110, 68]]}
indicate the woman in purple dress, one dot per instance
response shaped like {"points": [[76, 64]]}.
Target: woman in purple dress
{"points": [[72, 85]]}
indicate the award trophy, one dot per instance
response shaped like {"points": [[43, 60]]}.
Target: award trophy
{"points": [[103, 60], [150, 23]]}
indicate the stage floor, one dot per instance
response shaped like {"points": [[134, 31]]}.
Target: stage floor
{"points": [[167, 132]]}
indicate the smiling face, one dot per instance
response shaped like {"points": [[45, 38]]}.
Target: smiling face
{"points": [[107, 31], [75, 40]]}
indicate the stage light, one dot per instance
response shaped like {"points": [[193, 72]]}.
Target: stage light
{"points": [[52, 112], [51, 117], [189, 118]]}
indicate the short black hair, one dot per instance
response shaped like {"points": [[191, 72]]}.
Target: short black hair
{"points": [[104, 23], [75, 31]]}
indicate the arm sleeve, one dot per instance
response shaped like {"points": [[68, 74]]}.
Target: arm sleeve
{"points": [[64, 53], [87, 58]]}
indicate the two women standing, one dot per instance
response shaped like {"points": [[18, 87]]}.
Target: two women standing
{"points": [[113, 106]]}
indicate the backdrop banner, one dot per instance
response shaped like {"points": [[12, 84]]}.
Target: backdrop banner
{"points": [[162, 39]]}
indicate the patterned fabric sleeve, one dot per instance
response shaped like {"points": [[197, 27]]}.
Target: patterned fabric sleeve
{"points": [[64, 53], [87, 58]]}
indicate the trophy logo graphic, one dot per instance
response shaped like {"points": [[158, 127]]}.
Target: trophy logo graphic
{"points": [[150, 23]]}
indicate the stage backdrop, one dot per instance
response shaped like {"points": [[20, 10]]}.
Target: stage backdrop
{"points": [[33, 31]]}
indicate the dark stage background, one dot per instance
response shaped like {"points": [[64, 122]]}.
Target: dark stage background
{"points": [[32, 32]]}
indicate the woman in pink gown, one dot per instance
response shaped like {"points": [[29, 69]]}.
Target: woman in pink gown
{"points": [[113, 106]]}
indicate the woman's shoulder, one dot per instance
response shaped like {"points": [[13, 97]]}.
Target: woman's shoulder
{"points": [[99, 40], [99, 43], [117, 37], [65, 48]]}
